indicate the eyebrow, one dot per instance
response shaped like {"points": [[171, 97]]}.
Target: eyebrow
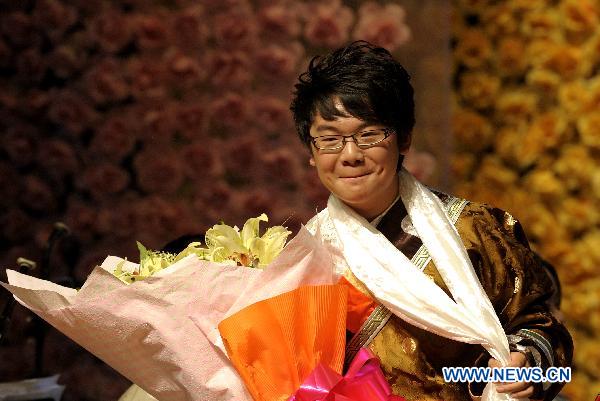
{"points": [[326, 127]]}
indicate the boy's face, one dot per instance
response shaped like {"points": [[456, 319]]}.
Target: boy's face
{"points": [[364, 179]]}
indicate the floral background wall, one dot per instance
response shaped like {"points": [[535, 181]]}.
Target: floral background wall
{"points": [[525, 121], [149, 119]]}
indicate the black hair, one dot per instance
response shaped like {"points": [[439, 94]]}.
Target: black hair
{"points": [[366, 79]]}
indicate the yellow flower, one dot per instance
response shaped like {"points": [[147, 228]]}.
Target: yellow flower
{"points": [[227, 244], [538, 49], [577, 214], [516, 106], [151, 262], [542, 23], [510, 60], [580, 17], [550, 128], [592, 102], [479, 89], [587, 127], [498, 20], [493, 173], [506, 142], [576, 167], [472, 130], [521, 6], [591, 49], [595, 184], [567, 61], [573, 97], [538, 220], [462, 165], [544, 81], [545, 184], [473, 49]]}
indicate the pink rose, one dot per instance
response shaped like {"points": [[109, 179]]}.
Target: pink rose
{"points": [[277, 61], [53, 18], [117, 220], [5, 54], [9, 178], [191, 119], [15, 225], [160, 221], [281, 167], [81, 218], [19, 143], [115, 138], [201, 161], [235, 29], [229, 112], [71, 111], [242, 157], [36, 195], [219, 5], [159, 171], [105, 82], [151, 31], [420, 164], [229, 69], [185, 71], [111, 30], [382, 25], [279, 21], [57, 157], [189, 27], [158, 124], [31, 66], [148, 78], [213, 203], [35, 102], [19, 30], [271, 115], [258, 201], [104, 179], [328, 24], [65, 61]]}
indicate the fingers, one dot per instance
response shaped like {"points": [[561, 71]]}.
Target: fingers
{"points": [[512, 387], [528, 393], [519, 389]]}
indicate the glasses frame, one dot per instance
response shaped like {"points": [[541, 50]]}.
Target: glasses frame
{"points": [[386, 131]]}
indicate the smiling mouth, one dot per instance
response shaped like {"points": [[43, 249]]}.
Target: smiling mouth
{"points": [[356, 176]]}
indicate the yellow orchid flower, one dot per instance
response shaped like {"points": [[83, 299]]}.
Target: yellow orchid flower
{"points": [[225, 244], [246, 248]]}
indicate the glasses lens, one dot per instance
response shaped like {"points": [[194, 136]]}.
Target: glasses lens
{"points": [[328, 142], [370, 137]]}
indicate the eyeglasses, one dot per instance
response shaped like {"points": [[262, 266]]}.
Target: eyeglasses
{"points": [[363, 139]]}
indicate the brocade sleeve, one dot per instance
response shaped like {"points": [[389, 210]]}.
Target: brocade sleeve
{"points": [[521, 286]]}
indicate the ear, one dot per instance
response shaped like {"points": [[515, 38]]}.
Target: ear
{"points": [[311, 161]]}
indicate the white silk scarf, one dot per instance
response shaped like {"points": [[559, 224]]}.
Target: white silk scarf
{"points": [[400, 286]]}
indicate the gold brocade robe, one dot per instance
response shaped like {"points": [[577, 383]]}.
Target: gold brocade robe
{"points": [[515, 279]]}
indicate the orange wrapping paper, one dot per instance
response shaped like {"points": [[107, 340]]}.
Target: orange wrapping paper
{"points": [[276, 343]]}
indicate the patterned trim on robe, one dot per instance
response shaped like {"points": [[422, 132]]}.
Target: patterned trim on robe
{"points": [[379, 317]]}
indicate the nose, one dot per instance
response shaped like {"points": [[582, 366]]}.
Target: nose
{"points": [[351, 154]]}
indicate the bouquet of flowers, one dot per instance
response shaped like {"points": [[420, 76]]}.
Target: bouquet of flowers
{"points": [[242, 318]]}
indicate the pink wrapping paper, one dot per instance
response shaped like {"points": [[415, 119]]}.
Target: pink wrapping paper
{"points": [[144, 330]]}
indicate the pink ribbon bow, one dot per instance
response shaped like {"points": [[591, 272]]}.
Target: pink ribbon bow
{"points": [[364, 381]]}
